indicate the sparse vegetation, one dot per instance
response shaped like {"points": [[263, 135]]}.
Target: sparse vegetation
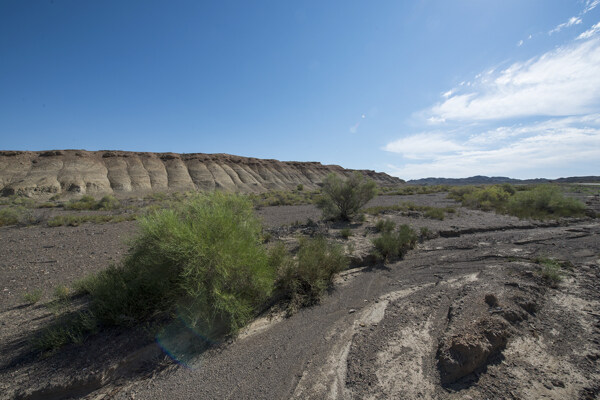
{"points": [[204, 262], [32, 297], [550, 270], [537, 202], [414, 189], [17, 215], [385, 225], [76, 220], [342, 199], [426, 233], [285, 198], [544, 201], [405, 207], [303, 280], [108, 202], [346, 233], [391, 245], [61, 293], [87, 202]]}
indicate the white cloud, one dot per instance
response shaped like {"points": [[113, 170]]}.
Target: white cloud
{"points": [[572, 21], [520, 43], [565, 81], [423, 145], [524, 151], [590, 32], [590, 5], [448, 93]]}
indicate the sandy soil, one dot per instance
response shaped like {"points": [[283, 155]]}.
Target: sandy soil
{"points": [[464, 315]]}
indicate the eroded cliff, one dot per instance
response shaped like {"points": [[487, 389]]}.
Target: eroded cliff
{"points": [[95, 172]]}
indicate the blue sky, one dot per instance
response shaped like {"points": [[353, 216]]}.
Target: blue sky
{"points": [[412, 88]]}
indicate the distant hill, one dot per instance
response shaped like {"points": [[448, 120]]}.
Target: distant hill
{"points": [[96, 172], [483, 180]]}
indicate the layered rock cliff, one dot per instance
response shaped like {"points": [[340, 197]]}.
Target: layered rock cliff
{"points": [[34, 173]]}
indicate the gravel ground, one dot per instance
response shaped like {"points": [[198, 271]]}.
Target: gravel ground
{"points": [[385, 331]]}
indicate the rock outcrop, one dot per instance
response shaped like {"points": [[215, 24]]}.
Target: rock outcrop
{"points": [[34, 173]]}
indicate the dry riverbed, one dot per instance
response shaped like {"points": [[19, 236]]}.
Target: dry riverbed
{"points": [[466, 314]]}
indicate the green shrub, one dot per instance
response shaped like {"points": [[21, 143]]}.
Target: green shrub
{"points": [[550, 270], [284, 198], [69, 328], [108, 202], [346, 233], [435, 213], [391, 245], [414, 189], [487, 198], [61, 292], [86, 202], [544, 201], [343, 198], [18, 215], [48, 204], [300, 187], [385, 225], [426, 233], [303, 280], [203, 260], [33, 296], [538, 201]]}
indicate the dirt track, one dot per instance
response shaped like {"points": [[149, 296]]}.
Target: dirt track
{"points": [[383, 332]]}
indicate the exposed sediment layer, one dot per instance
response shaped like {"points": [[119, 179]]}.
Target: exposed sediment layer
{"points": [[34, 173]]}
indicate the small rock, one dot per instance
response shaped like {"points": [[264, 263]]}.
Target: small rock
{"points": [[558, 383], [362, 324], [352, 310]]}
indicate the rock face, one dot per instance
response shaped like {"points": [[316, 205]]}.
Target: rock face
{"points": [[95, 172]]}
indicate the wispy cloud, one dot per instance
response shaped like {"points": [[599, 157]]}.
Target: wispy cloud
{"points": [[590, 5], [423, 145], [520, 43], [565, 81], [590, 32], [519, 151], [572, 21]]}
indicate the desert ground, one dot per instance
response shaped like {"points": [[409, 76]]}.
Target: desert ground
{"points": [[466, 314]]}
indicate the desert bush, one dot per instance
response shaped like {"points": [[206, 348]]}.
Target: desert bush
{"points": [[414, 189], [202, 260], [300, 187], [69, 328], [32, 297], [544, 201], [550, 270], [284, 198], [61, 293], [346, 233], [304, 279], [385, 225], [108, 202], [487, 198], [18, 215], [435, 213], [426, 233], [343, 198], [391, 245], [86, 202]]}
